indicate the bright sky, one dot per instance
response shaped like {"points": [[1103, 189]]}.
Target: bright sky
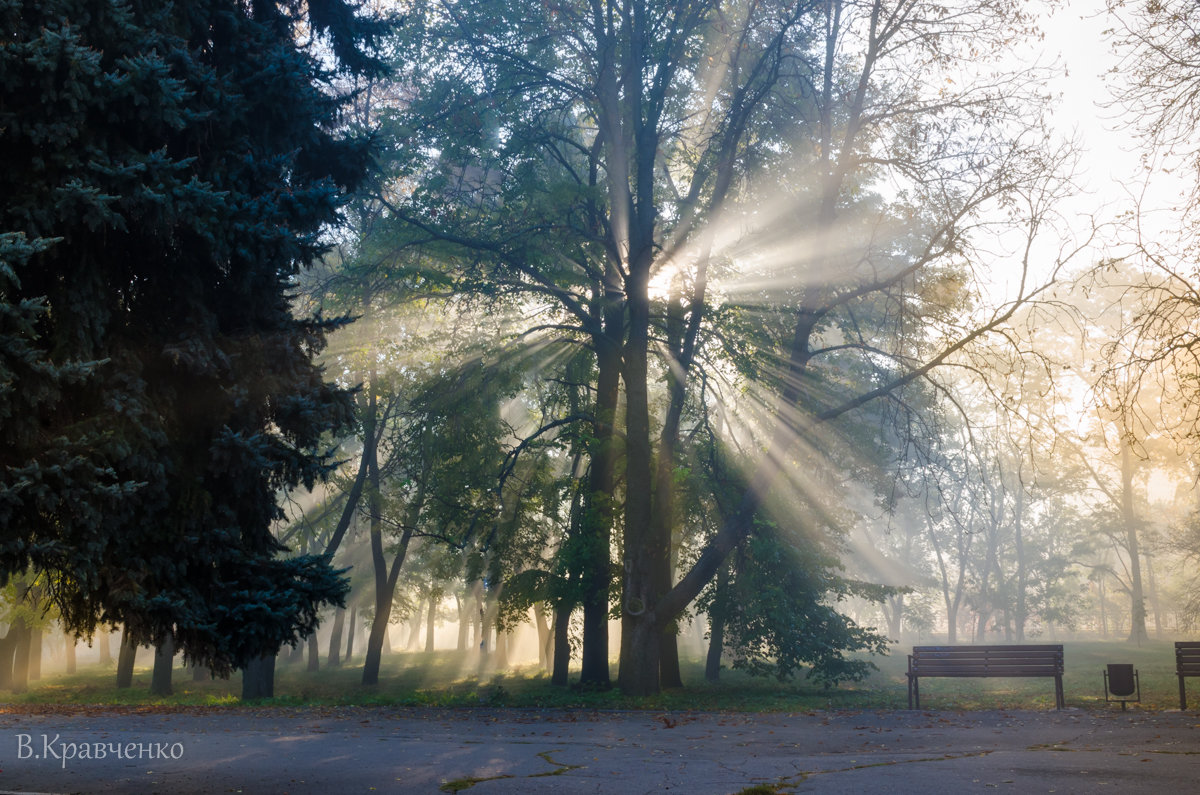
{"points": [[1111, 172], [1074, 36]]}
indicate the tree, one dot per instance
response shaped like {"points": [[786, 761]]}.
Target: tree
{"points": [[539, 197], [775, 620], [1160, 75], [164, 660], [591, 159], [1150, 382], [1143, 417], [823, 363], [167, 171], [26, 616], [431, 481]]}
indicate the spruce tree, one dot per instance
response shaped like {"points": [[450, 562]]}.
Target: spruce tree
{"points": [[166, 171]]}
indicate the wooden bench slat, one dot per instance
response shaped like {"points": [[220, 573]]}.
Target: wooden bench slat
{"points": [[981, 650], [1035, 647], [968, 657], [998, 656], [982, 670], [925, 661], [982, 663], [1015, 661]]}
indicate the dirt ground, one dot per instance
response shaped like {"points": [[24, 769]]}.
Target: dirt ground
{"points": [[348, 750]]}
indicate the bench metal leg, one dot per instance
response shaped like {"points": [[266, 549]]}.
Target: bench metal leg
{"points": [[1059, 701], [1182, 695]]}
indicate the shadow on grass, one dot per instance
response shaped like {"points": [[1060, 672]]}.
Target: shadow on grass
{"points": [[452, 679]]}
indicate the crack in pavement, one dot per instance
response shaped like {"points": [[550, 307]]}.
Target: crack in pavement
{"points": [[791, 782]]}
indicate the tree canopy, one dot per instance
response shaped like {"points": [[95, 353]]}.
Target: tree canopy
{"points": [[643, 310], [167, 171]]}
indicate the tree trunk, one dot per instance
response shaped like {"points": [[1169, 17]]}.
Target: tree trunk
{"points": [[545, 644], [668, 658], [314, 653], [8, 647], [500, 659], [562, 644], [716, 627], [384, 585], [335, 638], [1137, 626], [668, 662], [104, 645], [36, 638], [645, 555], [126, 656], [681, 342], [1154, 604], [371, 435], [1103, 608], [668, 672], [895, 616], [385, 590], [18, 673], [258, 678], [200, 672], [484, 636], [464, 622], [952, 623], [476, 615], [716, 647], [430, 623], [71, 642], [640, 667], [598, 513], [164, 661], [350, 635], [415, 625], [374, 657], [1022, 569], [645, 613], [385, 578], [487, 625]]}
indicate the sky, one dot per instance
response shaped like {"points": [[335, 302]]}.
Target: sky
{"points": [[1111, 173], [1074, 37]]}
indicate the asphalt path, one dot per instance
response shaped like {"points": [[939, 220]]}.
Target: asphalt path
{"points": [[487, 751]]}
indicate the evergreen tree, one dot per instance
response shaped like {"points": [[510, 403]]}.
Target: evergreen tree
{"points": [[166, 171]]}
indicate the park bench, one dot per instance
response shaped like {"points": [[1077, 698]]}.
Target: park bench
{"points": [[986, 661], [1187, 663]]}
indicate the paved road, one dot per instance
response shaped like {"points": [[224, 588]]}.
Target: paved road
{"points": [[531, 751]]}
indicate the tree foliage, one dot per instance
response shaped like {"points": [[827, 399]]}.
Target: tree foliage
{"points": [[780, 612], [167, 171], [691, 190]]}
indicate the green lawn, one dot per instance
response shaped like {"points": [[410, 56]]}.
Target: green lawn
{"points": [[439, 679], [1083, 680]]}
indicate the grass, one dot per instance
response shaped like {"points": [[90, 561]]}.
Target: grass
{"points": [[443, 679], [1083, 680]]}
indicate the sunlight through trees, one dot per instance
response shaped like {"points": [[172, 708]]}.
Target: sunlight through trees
{"points": [[759, 330]]}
